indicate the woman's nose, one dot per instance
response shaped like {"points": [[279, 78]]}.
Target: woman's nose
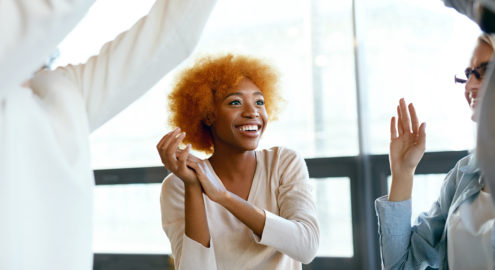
{"points": [[472, 83], [472, 87], [250, 111]]}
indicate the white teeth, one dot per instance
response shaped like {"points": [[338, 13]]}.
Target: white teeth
{"points": [[249, 128]]}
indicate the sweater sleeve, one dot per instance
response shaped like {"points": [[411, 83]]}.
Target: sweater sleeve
{"points": [[135, 60], [188, 254], [416, 247], [30, 32], [295, 231]]}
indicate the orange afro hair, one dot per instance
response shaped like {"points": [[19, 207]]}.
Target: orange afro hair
{"points": [[198, 88]]}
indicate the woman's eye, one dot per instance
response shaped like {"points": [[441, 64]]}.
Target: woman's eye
{"points": [[235, 102], [260, 102]]}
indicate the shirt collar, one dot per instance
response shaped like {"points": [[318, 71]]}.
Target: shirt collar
{"points": [[471, 167]]}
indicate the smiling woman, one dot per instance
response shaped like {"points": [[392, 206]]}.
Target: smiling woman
{"points": [[198, 89], [241, 208]]}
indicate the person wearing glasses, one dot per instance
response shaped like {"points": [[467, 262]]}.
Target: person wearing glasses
{"points": [[483, 13], [241, 208], [46, 180], [456, 233]]}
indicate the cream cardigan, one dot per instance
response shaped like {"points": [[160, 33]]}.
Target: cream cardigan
{"points": [[291, 235]]}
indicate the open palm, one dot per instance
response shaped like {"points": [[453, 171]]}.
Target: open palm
{"points": [[407, 140]]}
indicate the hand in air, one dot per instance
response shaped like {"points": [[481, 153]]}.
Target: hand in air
{"points": [[174, 159], [407, 140]]}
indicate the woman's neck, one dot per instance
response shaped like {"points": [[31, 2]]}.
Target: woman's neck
{"points": [[233, 166]]}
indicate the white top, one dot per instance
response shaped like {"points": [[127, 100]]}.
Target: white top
{"points": [[46, 180], [291, 235], [469, 231]]}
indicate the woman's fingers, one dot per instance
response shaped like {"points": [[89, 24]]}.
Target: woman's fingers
{"points": [[393, 129], [422, 134], [165, 138], [183, 155], [167, 156], [175, 141], [399, 120], [405, 121], [414, 119]]}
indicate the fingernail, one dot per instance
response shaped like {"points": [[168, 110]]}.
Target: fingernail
{"points": [[180, 134]]}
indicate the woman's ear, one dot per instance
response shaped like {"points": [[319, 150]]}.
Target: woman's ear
{"points": [[209, 119]]}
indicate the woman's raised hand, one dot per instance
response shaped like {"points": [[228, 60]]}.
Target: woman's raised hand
{"points": [[174, 159], [407, 146]]}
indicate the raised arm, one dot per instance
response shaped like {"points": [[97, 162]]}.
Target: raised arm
{"points": [[31, 29], [135, 60], [183, 210], [407, 145], [403, 246], [466, 7]]}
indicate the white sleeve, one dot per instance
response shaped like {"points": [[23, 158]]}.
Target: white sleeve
{"points": [[188, 254], [466, 7], [295, 232], [135, 60], [31, 29]]}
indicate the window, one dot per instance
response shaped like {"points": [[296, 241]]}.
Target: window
{"points": [[426, 189], [412, 49], [409, 48], [333, 203]]}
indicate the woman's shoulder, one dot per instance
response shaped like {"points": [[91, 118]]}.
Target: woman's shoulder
{"points": [[465, 166], [282, 160], [279, 152]]}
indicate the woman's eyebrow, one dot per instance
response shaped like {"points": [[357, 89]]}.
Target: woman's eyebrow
{"points": [[259, 93]]}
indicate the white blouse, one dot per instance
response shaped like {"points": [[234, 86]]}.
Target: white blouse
{"points": [[469, 231], [46, 181]]}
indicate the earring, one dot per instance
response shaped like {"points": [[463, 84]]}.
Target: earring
{"points": [[208, 120]]}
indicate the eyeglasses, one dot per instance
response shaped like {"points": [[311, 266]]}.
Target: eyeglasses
{"points": [[478, 72]]}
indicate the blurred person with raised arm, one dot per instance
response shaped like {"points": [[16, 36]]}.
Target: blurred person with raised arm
{"points": [[46, 181]]}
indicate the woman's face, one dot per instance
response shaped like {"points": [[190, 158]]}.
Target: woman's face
{"points": [[481, 55], [240, 118]]}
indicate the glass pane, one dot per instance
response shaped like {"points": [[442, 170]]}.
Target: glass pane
{"points": [[426, 189], [127, 220], [333, 202], [310, 42], [412, 49]]}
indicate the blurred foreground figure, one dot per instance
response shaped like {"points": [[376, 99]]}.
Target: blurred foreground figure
{"points": [[46, 181]]}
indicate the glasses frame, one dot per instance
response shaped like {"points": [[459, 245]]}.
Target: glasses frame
{"points": [[478, 72]]}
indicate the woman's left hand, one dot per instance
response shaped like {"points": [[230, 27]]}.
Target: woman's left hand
{"points": [[212, 186]]}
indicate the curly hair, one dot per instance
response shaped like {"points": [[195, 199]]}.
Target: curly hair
{"points": [[192, 100]]}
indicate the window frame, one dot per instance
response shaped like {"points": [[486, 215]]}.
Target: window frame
{"points": [[365, 188]]}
